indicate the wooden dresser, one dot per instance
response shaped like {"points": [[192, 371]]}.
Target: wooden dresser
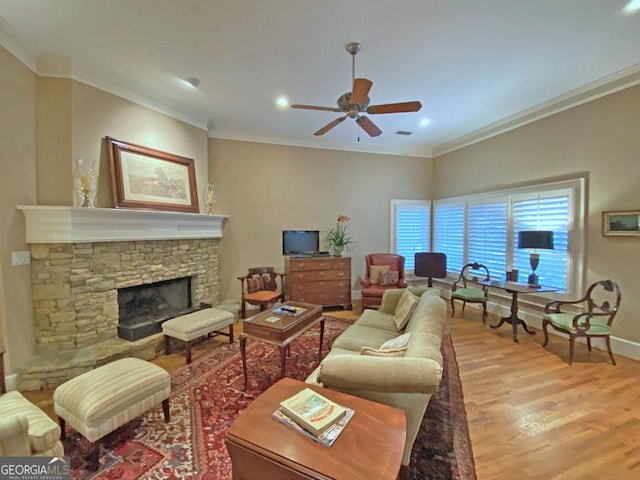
{"points": [[323, 281]]}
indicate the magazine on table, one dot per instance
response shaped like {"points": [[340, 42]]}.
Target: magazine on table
{"points": [[312, 411], [326, 438]]}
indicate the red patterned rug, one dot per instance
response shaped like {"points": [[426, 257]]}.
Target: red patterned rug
{"points": [[207, 395]]}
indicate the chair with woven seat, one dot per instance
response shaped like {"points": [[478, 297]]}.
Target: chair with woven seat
{"points": [[462, 290], [261, 287], [598, 308]]}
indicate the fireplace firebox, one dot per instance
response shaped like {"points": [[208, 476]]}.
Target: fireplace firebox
{"points": [[143, 308]]}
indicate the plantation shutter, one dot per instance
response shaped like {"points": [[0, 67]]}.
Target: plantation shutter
{"points": [[412, 230], [487, 236], [550, 211], [449, 234]]}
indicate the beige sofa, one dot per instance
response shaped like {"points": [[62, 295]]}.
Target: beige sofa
{"points": [[405, 382]]}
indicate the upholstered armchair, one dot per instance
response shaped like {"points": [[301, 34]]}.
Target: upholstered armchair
{"points": [[590, 316], [384, 271], [25, 430]]}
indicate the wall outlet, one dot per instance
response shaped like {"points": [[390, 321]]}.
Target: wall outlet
{"points": [[20, 258]]}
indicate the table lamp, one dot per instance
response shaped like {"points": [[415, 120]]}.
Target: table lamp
{"points": [[535, 239], [430, 264]]}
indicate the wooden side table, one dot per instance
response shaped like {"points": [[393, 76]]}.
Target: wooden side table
{"points": [[370, 446]]}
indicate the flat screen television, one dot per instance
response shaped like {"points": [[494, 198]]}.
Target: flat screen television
{"points": [[300, 242]]}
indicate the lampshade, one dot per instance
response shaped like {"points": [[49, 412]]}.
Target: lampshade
{"points": [[535, 239], [430, 264]]}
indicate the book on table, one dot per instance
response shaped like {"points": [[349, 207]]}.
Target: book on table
{"points": [[326, 438], [312, 411]]}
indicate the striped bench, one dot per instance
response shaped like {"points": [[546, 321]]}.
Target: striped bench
{"points": [[101, 400]]}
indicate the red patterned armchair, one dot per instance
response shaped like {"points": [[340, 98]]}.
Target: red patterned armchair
{"points": [[384, 271]]}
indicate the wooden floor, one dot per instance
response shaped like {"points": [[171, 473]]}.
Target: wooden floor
{"points": [[531, 415]]}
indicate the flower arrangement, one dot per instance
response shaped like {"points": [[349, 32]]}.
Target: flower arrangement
{"points": [[338, 238]]}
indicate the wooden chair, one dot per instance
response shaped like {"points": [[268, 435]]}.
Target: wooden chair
{"points": [[460, 290], [260, 287], [599, 307]]}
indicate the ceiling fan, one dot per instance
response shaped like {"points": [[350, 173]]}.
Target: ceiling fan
{"points": [[356, 102]]}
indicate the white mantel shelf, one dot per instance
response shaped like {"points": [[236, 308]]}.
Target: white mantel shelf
{"points": [[59, 224]]}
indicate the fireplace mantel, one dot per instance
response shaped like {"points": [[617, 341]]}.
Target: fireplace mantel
{"points": [[60, 224]]}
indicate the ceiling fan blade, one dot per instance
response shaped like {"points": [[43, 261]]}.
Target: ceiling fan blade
{"points": [[394, 108], [361, 87], [368, 126], [329, 126], [314, 107]]}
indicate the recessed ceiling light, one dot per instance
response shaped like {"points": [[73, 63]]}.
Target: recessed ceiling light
{"points": [[425, 122], [282, 102], [192, 81], [632, 7]]}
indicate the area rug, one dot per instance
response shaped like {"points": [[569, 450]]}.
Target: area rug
{"points": [[207, 396]]}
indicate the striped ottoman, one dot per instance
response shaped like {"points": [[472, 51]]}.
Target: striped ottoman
{"points": [[101, 400]]}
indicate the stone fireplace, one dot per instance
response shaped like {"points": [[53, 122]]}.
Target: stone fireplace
{"points": [[77, 282]]}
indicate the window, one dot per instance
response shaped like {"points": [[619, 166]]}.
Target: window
{"points": [[484, 228], [449, 234], [411, 229]]}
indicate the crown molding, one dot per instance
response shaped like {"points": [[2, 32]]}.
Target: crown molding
{"points": [[11, 40], [621, 80], [377, 149]]}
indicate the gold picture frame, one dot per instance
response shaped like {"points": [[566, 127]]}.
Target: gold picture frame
{"points": [[622, 223], [148, 179]]}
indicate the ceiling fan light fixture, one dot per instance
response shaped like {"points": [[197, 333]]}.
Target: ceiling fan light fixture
{"points": [[282, 102], [425, 122]]}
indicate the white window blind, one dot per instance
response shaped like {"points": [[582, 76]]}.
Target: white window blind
{"points": [[548, 212], [487, 236], [449, 234], [412, 220]]}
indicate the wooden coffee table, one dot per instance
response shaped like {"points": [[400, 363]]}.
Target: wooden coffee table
{"points": [[280, 333], [370, 447]]}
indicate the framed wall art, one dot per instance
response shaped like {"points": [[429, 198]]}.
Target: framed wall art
{"points": [[149, 179], [621, 223]]}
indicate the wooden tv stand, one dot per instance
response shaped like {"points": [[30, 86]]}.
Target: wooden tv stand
{"points": [[322, 281]]}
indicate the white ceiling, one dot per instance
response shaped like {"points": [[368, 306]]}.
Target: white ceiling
{"points": [[477, 66]]}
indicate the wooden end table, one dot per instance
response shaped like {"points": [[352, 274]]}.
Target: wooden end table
{"points": [[370, 446], [280, 333]]}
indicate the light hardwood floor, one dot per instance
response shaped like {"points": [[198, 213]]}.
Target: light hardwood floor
{"points": [[531, 415]]}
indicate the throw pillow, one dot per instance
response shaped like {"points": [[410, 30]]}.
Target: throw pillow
{"points": [[389, 277], [406, 304], [374, 273], [254, 284], [396, 343], [391, 352]]}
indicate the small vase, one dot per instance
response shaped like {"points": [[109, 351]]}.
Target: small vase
{"points": [[337, 250], [85, 179], [210, 198]]}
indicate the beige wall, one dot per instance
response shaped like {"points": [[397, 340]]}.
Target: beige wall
{"points": [[269, 188], [17, 187], [45, 123], [600, 139]]}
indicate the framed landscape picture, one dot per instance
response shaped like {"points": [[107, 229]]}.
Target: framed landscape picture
{"points": [[144, 178], [621, 223]]}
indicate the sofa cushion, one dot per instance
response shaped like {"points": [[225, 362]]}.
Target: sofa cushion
{"points": [[374, 273], [388, 277], [377, 319], [357, 336], [406, 305], [386, 352], [399, 342]]}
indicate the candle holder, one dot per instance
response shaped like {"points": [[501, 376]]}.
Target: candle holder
{"points": [[210, 198], [85, 183]]}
